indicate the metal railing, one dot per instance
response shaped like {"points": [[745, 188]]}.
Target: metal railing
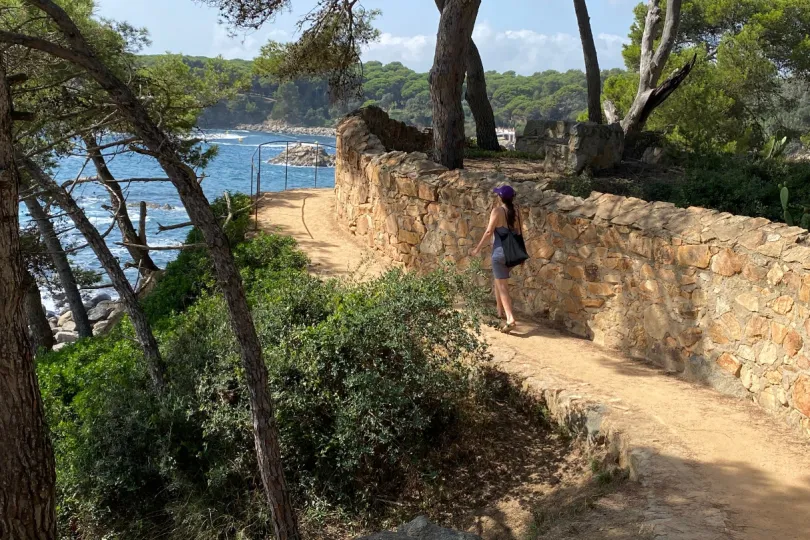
{"points": [[256, 162]]}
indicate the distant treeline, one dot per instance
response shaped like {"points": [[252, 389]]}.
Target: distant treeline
{"points": [[402, 92]]}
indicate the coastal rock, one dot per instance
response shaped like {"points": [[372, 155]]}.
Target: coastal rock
{"points": [[152, 206], [304, 155], [422, 529], [101, 327], [64, 317], [99, 313], [99, 298], [66, 337], [273, 126]]}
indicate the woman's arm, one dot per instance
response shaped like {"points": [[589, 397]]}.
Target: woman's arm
{"points": [[493, 219]]}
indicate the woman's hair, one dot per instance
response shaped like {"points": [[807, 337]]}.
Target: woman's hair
{"points": [[510, 212]]}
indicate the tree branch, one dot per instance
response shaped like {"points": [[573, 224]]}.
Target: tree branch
{"points": [[161, 248]]}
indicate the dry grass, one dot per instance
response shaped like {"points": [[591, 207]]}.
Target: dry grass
{"points": [[504, 475]]}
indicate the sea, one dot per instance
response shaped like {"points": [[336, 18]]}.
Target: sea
{"points": [[234, 169]]}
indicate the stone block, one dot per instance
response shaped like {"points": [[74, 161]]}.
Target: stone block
{"points": [[694, 255], [572, 147], [749, 301], [782, 305], [727, 263], [725, 329], [778, 332], [540, 247], [769, 354], [775, 274], [801, 394], [657, 322], [793, 343], [757, 329], [769, 399], [729, 364], [640, 244], [408, 237], [391, 225]]}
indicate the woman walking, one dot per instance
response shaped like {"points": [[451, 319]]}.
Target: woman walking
{"points": [[503, 219]]}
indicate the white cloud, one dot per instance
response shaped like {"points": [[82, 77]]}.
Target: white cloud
{"points": [[245, 46], [522, 51], [410, 50]]}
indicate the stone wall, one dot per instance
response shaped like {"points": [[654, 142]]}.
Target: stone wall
{"points": [[722, 299], [392, 134], [570, 148]]}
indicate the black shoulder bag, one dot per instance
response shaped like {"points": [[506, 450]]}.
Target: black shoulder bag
{"points": [[514, 248]]}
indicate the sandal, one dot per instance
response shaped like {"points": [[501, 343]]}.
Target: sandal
{"points": [[508, 327]]}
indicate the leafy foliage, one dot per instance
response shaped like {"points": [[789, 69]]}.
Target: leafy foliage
{"points": [[369, 379], [272, 92], [752, 73], [743, 185], [329, 47], [192, 272]]}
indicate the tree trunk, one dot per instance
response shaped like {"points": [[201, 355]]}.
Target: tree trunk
{"points": [[141, 256], [660, 94], [27, 475], [653, 61], [39, 329], [477, 98], [611, 114], [592, 73], [143, 331], [60, 261], [447, 80], [162, 147]]}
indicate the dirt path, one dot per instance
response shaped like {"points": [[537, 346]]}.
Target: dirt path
{"points": [[711, 466]]}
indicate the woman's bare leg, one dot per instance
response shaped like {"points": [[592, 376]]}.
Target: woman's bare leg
{"points": [[503, 291], [498, 302]]}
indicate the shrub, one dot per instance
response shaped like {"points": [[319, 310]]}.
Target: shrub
{"points": [[742, 185], [192, 272], [368, 380]]}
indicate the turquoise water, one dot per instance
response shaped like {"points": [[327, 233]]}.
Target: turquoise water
{"points": [[229, 171]]}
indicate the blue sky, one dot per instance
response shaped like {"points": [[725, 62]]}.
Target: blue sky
{"points": [[521, 35]]}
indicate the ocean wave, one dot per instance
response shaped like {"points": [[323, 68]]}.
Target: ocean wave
{"points": [[222, 136], [298, 166]]}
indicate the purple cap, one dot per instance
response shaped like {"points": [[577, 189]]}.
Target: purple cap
{"points": [[505, 192]]}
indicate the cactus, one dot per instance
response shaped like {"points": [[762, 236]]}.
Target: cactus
{"points": [[775, 147], [784, 197]]}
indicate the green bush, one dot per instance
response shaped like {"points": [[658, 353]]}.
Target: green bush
{"points": [[192, 272], [368, 381], [742, 185]]}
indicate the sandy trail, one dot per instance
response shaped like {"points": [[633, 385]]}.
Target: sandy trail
{"points": [[718, 467]]}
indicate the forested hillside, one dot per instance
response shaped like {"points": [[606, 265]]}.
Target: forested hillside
{"points": [[402, 92]]}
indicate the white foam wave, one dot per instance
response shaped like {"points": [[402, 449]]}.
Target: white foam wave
{"points": [[223, 136], [300, 166]]}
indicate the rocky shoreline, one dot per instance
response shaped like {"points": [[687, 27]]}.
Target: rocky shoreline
{"points": [[274, 126], [103, 312]]}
